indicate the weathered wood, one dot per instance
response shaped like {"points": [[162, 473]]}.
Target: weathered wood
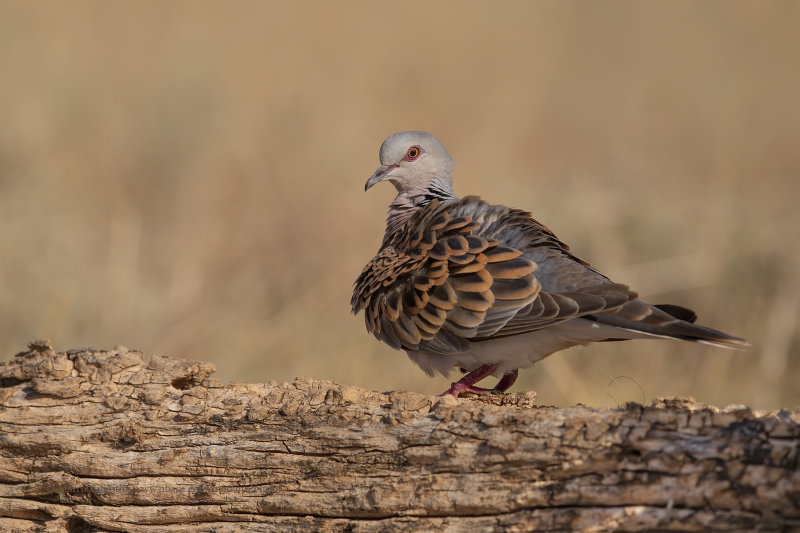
{"points": [[95, 440]]}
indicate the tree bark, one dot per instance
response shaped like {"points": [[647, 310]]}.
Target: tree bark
{"points": [[94, 440]]}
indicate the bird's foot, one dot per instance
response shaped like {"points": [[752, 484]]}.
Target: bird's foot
{"points": [[456, 388], [467, 383], [505, 382]]}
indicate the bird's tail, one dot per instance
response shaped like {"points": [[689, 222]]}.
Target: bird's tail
{"points": [[667, 321]]}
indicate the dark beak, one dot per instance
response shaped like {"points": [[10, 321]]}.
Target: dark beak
{"points": [[379, 175]]}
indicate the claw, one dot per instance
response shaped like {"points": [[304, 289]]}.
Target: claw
{"points": [[456, 388], [467, 383]]}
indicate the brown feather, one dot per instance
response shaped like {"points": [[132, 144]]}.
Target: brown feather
{"points": [[434, 315], [501, 253], [443, 297], [440, 222], [457, 245], [513, 268], [474, 281], [476, 244], [466, 317], [457, 223], [477, 264], [476, 301], [514, 289]]}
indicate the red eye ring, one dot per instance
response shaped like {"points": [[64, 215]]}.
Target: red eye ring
{"points": [[413, 153]]}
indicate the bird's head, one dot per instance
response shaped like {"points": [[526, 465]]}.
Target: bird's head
{"points": [[412, 161]]}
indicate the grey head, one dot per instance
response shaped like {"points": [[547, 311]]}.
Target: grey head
{"points": [[414, 162]]}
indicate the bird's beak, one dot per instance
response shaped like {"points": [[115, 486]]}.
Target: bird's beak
{"points": [[379, 175]]}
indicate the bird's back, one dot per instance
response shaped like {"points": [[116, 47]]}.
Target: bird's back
{"points": [[463, 271]]}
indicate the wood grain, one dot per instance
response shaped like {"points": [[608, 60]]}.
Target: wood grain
{"points": [[94, 440]]}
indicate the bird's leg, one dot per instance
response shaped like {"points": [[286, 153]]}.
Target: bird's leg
{"points": [[467, 383], [506, 381]]}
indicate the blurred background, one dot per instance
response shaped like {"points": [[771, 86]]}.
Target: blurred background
{"points": [[187, 178]]}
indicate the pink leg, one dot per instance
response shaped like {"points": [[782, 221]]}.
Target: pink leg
{"points": [[467, 383], [506, 381]]}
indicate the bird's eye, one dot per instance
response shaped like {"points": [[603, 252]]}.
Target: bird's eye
{"points": [[413, 153]]}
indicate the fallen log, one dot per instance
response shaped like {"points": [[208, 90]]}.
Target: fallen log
{"points": [[95, 440]]}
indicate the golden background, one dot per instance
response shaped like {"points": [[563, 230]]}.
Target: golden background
{"points": [[187, 177]]}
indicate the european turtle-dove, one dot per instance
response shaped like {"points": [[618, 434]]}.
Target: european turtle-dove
{"points": [[461, 283]]}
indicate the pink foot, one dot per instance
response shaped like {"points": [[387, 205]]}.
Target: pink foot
{"points": [[456, 388], [506, 381], [467, 383]]}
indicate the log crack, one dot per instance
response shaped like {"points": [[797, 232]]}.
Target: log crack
{"points": [[104, 440]]}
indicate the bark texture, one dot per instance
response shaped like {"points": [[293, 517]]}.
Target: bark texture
{"points": [[94, 440]]}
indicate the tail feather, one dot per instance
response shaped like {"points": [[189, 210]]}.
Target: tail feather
{"points": [[668, 321], [678, 312]]}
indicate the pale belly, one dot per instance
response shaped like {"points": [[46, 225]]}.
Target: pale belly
{"points": [[520, 351]]}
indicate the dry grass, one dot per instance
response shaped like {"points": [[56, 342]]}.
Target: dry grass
{"points": [[187, 178]]}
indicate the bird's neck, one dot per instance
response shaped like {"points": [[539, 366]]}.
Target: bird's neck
{"points": [[410, 201]]}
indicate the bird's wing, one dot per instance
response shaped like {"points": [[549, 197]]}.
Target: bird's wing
{"points": [[461, 270], [571, 288]]}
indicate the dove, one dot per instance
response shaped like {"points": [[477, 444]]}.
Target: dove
{"points": [[459, 283]]}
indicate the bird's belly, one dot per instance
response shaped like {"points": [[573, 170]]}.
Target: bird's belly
{"points": [[509, 353], [518, 351]]}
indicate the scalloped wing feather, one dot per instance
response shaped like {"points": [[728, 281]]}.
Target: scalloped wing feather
{"points": [[464, 270]]}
